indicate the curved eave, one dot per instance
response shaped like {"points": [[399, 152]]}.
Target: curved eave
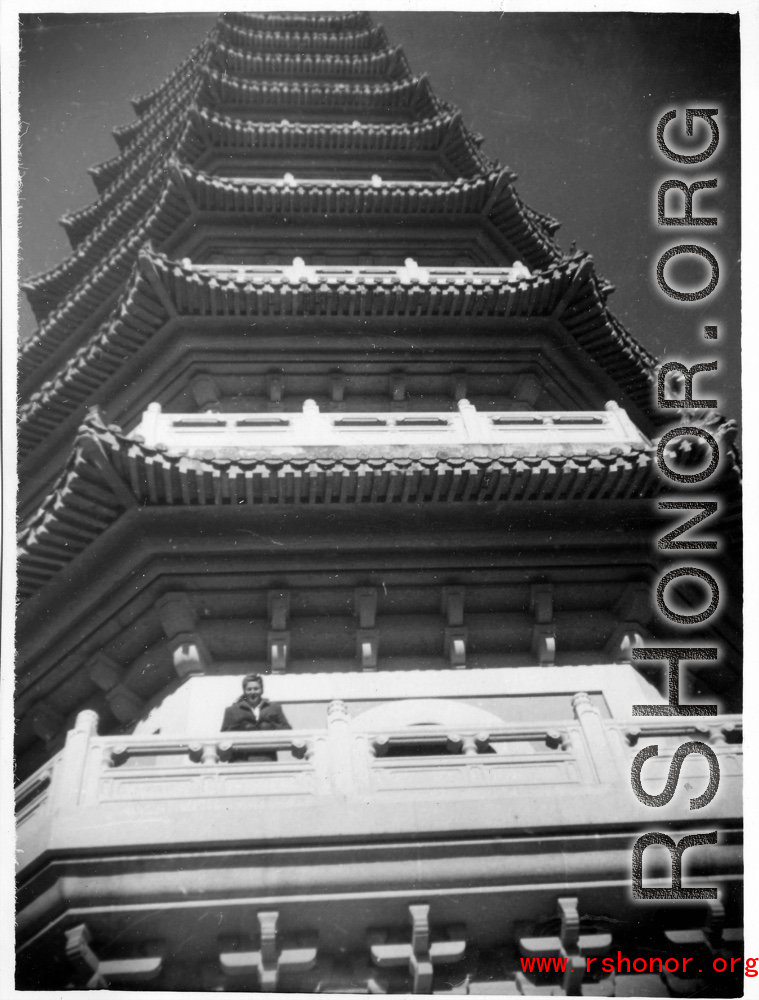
{"points": [[443, 133], [80, 224], [365, 40], [167, 115], [46, 291], [210, 87], [413, 96], [548, 223], [388, 65], [145, 102], [131, 138], [568, 292], [101, 283], [206, 129], [113, 173], [107, 471], [489, 198]]}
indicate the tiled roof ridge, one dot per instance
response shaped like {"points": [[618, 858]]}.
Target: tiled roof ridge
{"points": [[488, 195], [455, 140], [361, 40], [416, 93], [80, 224], [107, 471], [447, 125], [352, 21], [148, 128], [567, 291], [95, 288], [389, 64], [131, 136], [211, 87], [142, 104], [94, 249]]}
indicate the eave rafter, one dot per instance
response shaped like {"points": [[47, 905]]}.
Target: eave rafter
{"points": [[108, 471], [567, 291]]}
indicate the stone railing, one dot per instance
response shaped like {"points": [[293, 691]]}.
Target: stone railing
{"points": [[32, 794], [106, 791], [408, 273], [603, 430]]}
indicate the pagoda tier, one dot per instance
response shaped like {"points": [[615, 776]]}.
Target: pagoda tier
{"points": [[389, 64], [169, 207], [408, 100], [440, 147], [316, 395], [171, 303], [448, 854], [310, 23], [191, 486], [260, 40], [258, 460]]}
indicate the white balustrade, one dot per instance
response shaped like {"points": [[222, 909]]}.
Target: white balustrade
{"points": [[390, 431], [97, 785]]}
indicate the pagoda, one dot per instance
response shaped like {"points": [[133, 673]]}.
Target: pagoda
{"points": [[317, 396]]}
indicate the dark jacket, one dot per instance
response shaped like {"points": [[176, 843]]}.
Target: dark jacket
{"points": [[240, 717]]}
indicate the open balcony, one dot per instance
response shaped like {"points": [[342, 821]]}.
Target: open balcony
{"points": [[467, 432], [102, 793]]}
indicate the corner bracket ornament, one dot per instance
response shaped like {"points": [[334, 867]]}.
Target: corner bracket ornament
{"points": [[270, 958], [94, 974], [278, 636], [455, 634], [543, 645], [570, 944], [189, 653], [626, 637], [712, 935], [421, 955], [367, 634]]}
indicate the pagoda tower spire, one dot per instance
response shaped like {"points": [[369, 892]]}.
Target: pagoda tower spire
{"points": [[317, 396]]}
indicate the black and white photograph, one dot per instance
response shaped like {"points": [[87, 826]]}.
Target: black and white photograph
{"points": [[372, 443]]}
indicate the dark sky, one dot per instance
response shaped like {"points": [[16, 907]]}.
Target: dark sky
{"points": [[568, 101]]}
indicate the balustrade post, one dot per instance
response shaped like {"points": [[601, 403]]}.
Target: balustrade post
{"points": [[594, 733], [339, 749], [470, 420], [68, 779]]}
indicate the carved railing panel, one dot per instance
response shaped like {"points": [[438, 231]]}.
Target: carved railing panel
{"points": [[390, 431], [723, 734], [436, 757], [33, 795], [579, 768]]}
